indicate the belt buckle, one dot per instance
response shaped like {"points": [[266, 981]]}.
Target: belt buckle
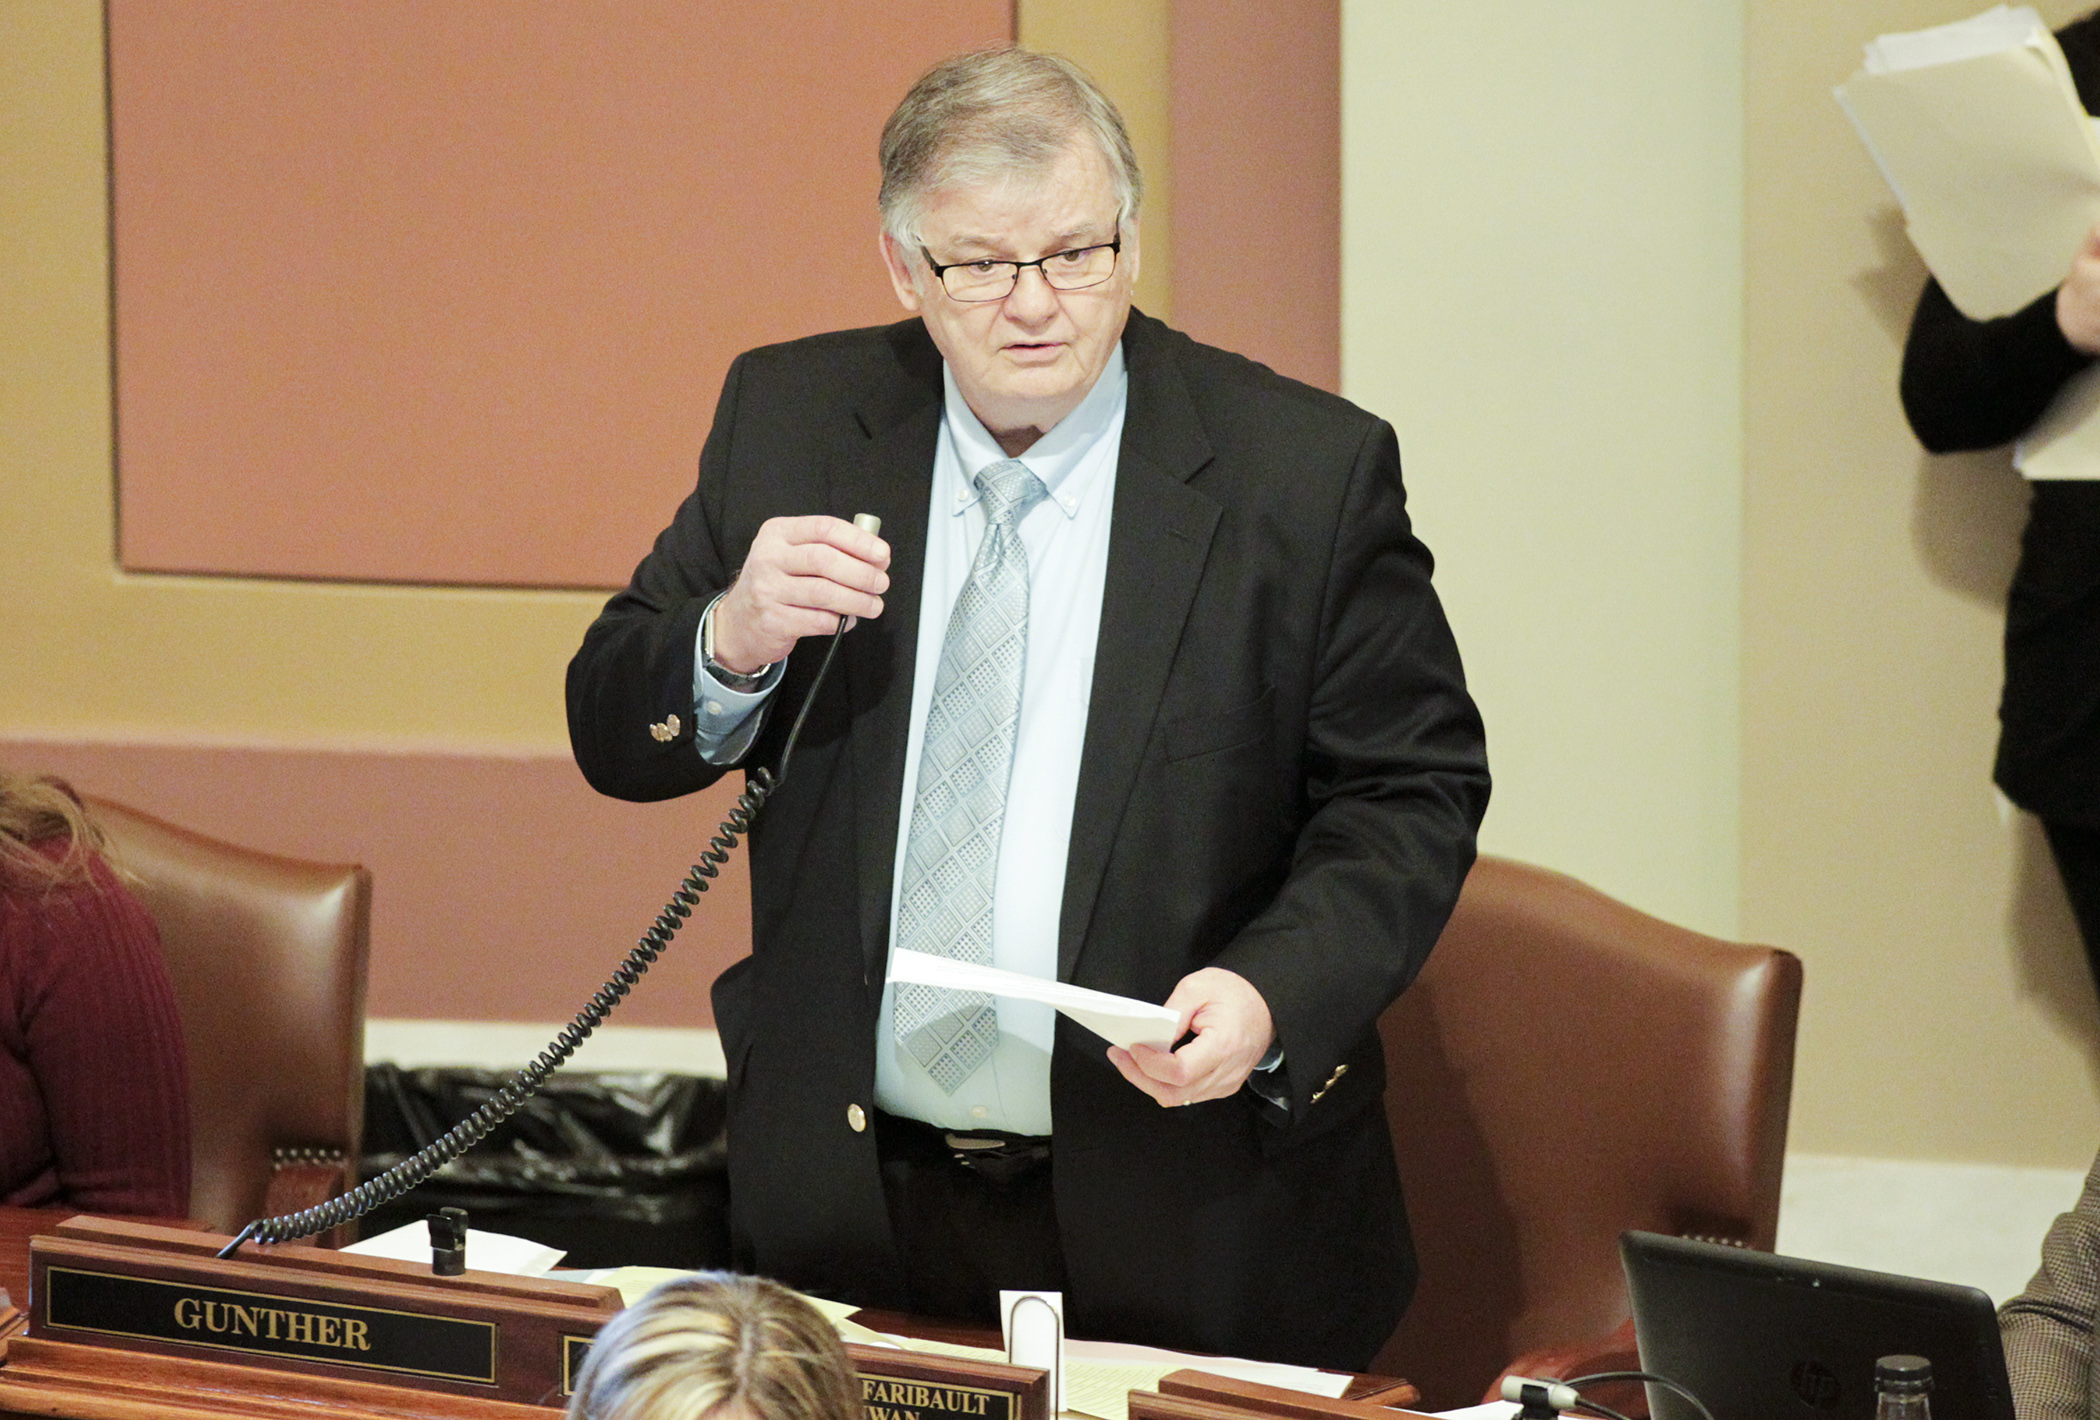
{"points": [[999, 1160]]}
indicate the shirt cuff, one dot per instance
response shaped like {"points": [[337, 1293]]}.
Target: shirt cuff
{"points": [[1268, 1085], [726, 721]]}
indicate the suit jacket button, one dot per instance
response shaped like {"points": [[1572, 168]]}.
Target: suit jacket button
{"points": [[856, 1118]]}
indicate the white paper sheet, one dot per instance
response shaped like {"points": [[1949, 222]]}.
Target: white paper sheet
{"points": [[2000, 27], [1493, 1410], [632, 1283], [1116, 1019], [1305, 1378], [486, 1252]]}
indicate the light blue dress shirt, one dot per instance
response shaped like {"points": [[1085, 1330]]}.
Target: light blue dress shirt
{"points": [[1067, 537]]}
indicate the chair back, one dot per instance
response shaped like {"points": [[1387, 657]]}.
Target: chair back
{"points": [[267, 956], [1566, 1068]]}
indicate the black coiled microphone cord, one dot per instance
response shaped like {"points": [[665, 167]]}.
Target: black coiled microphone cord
{"points": [[470, 1131]]}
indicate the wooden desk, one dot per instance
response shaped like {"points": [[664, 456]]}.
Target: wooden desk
{"points": [[1380, 1390], [17, 1227], [51, 1379]]}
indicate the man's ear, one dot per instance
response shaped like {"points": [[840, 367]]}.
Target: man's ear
{"points": [[903, 269]]}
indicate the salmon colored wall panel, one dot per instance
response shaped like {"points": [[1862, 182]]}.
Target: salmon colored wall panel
{"points": [[445, 293], [1256, 151], [504, 889]]}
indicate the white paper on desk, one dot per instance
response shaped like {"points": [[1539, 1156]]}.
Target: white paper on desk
{"points": [[1493, 1410], [1991, 155], [1328, 1383], [1116, 1019], [486, 1252], [632, 1283]]}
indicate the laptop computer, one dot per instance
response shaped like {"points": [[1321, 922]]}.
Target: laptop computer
{"points": [[1761, 1337]]}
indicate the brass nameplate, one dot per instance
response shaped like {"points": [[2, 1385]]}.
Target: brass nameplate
{"points": [[891, 1398], [917, 1385], [259, 1324]]}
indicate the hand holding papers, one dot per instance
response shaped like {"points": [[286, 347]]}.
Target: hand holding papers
{"points": [[1116, 1019], [1978, 129]]}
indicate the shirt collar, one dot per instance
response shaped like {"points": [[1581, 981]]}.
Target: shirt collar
{"points": [[1051, 458]]}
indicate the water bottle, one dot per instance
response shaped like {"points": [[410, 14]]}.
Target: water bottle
{"points": [[1902, 1388]]}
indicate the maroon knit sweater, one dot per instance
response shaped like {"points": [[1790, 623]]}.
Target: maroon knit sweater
{"points": [[94, 1085]]}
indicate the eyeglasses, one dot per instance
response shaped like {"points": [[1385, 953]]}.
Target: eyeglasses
{"points": [[1073, 270]]}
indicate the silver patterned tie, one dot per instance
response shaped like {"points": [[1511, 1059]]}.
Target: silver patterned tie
{"points": [[951, 859]]}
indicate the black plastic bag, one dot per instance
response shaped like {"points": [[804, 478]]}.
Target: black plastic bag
{"points": [[611, 1167]]}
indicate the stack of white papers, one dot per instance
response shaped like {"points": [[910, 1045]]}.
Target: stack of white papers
{"points": [[1116, 1019], [1978, 129]]}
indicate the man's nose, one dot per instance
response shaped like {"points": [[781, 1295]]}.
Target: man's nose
{"points": [[1033, 297]]}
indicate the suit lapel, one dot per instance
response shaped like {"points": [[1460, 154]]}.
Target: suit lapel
{"points": [[892, 477], [1158, 543]]}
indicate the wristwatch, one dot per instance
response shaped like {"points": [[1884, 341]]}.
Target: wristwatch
{"points": [[742, 681]]}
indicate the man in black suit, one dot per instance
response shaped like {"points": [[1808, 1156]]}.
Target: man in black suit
{"points": [[1235, 768]]}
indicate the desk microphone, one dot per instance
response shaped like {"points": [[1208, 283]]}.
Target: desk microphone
{"points": [[1541, 1399], [1546, 1399]]}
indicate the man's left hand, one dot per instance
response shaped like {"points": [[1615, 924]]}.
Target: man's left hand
{"points": [[1233, 1031]]}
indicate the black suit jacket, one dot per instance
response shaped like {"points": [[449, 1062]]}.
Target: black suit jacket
{"points": [[1282, 776]]}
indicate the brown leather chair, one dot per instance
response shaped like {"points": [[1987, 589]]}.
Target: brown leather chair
{"points": [[1566, 1068], [267, 955]]}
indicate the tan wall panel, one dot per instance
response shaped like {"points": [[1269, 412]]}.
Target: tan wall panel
{"points": [[1124, 44], [1948, 1012], [1257, 153], [444, 293]]}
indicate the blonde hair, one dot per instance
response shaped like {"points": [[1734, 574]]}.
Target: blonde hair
{"points": [[715, 1342], [34, 811], [995, 113]]}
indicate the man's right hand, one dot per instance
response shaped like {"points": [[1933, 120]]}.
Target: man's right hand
{"points": [[2078, 299], [801, 576]]}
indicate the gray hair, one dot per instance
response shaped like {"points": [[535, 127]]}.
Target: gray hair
{"points": [[996, 113]]}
